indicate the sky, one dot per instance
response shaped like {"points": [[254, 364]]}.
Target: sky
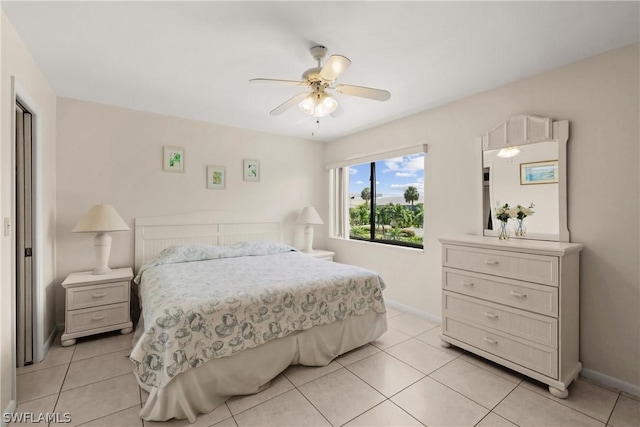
{"points": [[393, 176]]}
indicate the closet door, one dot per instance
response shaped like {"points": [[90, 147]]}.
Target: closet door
{"points": [[24, 238]]}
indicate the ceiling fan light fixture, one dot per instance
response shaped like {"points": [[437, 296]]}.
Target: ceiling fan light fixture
{"points": [[307, 105], [318, 105], [507, 152], [325, 106]]}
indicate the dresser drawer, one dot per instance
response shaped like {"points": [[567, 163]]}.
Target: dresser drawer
{"points": [[530, 326], [528, 354], [524, 295], [97, 317], [97, 295], [532, 268]]}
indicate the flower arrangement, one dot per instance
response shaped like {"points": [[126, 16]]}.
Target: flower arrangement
{"points": [[504, 213], [523, 212]]}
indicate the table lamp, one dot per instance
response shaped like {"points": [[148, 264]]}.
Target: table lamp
{"points": [[101, 219], [308, 217]]}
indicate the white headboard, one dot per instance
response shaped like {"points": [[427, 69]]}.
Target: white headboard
{"points": [[220, 228]]}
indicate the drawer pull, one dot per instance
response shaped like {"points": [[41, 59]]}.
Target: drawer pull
{"points": [[490, 315], [467, 283], [98, 295], [98, 317], [518, 294], [491, 262], [490, 341]]}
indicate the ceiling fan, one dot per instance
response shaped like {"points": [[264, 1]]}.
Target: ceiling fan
{"points": [[318, 102]]}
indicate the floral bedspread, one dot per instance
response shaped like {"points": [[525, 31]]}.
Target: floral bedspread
{"points": [[202, 302]]}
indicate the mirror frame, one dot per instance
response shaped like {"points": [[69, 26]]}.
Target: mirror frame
{"points": [[523, 130]]}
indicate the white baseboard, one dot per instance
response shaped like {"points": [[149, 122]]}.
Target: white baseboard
{"points": [[612, 382], [10, 409], [49, 342], [428, 316]]}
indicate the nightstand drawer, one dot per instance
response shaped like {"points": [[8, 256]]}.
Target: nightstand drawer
{"points": [[97, 295], [97, 317], [528, 296], [532, 268], [519, 323]]}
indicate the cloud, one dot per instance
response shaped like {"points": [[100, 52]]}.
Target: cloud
{"points": [[353, 171], [359, 182], [405, 166], [419, 186]]}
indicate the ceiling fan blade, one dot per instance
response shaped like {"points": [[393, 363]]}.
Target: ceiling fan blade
{"points": [[364, 92], [289, 103], [335, 65], [279, 82]]}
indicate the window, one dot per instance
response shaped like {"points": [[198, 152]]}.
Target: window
{"points": [[381, 201]]}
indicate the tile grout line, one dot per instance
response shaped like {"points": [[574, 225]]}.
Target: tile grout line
{"points": [[311, 403], [108, 415], [359, 415], [546, 396], [467, 353], [403, 410], [99, 381], [394, 394], [613, 409], [419, 369], [497, 404], [265, 401], [55, 406]]}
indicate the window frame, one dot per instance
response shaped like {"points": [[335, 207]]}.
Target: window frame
{"points": [[339, 205]]}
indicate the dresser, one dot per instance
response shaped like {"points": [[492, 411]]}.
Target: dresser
{"points": [[96, 303], [514, 302]]}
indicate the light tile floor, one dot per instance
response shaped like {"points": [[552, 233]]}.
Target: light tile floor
{"points": [[403, 379]]}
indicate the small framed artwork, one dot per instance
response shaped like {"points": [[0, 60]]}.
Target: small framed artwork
{"points": [[216, 178], [252, 170], [539, 172], [173, 159]]}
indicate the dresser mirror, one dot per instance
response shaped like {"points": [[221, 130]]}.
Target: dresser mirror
{"points": [[524, 163]]}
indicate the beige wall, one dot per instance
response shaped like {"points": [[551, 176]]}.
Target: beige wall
{"points": [[38, 95], [113, 155], [600, 97]]}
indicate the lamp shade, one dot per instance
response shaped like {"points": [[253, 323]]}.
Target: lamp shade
{"points": [[309, 216], [102, 217]]}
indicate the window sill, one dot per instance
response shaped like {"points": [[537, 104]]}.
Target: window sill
{"points": [[385, 245]]}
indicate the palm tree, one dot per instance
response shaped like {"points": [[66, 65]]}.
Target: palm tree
{"points": [[411, 194], [418, 216], [366, 195], [400, 216]]}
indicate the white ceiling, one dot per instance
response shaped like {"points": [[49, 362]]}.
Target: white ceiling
{"points": [[195, 59]]}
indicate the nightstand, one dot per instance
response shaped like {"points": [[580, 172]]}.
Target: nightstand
{"points": [[96, 303], [321, 254]]}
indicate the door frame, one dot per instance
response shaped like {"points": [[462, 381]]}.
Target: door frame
{"points": [[40, 342]]}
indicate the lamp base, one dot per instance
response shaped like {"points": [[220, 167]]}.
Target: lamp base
{"points": [[308, 238], [102, 249], [102, 271]]}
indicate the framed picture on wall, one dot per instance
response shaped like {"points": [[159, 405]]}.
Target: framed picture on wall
{"points": [[251, 170], [539, 172], [216, 177], [173, 159]]}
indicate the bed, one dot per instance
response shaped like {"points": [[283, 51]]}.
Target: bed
{"points": [[226, 307]]}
